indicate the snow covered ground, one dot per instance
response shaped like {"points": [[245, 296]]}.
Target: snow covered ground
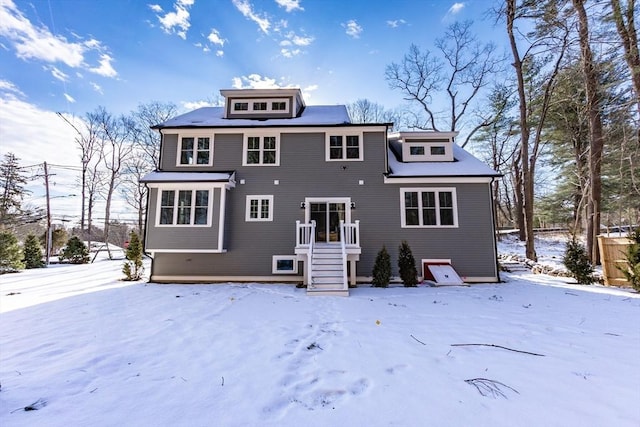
{"points": [[86, 349]]}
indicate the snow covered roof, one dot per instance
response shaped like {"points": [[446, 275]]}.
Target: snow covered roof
{"points": [[163, 177], [316, 115], [464, 165]]}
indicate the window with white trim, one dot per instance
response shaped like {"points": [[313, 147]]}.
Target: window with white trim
{"points": [[428, 207], [185, 207], [261, 151], [259, 208], [344, 147], [259, 106], [240, 106], [284, 264], [194, 150], [279, 106]]}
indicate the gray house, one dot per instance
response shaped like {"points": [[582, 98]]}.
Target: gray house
{"points": [[268, 189]]}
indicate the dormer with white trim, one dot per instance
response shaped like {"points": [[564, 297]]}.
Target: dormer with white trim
{"points": [[262, 104], [426, 146]]}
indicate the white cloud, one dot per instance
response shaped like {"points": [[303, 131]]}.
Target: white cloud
{"points": [[97, 88], [69, 98], [176, 22], [10, 89], [219, 53], [254, 81], [38, 43], [456, 8], [104, 69], [290, 53], [299, 40], [59, 74], [352, 28], [214, 37], [155, 7], [194, 105], [247, 10], [290, 5], [396, 23]]}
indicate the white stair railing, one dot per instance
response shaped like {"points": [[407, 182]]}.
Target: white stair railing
{"points": [[343, 246]]}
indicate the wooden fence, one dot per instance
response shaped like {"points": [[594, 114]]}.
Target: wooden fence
{"points": [[613, 257]]}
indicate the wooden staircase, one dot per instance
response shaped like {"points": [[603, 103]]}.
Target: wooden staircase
{"points": [[328, 275]]}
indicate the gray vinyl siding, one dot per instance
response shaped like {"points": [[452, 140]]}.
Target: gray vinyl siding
{"points": [[304, 172], [182, 237]]}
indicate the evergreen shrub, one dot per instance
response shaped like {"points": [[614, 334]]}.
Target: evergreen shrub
{"points": [[577, 262], [382, 269], [407, 265], [32, 253], [133, 267], [75, 251], [10, 253]]}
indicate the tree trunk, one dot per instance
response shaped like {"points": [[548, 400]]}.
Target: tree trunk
{"points": [[527, 177], [628, 36], [595, 133]]}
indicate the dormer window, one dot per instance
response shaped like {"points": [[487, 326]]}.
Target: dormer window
{"points": [[438, 150], [278, 106], [416, 151], [241, 106], [259, 106]]}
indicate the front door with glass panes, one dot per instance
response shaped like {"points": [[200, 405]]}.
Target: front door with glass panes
{"points": [[327, 215]]}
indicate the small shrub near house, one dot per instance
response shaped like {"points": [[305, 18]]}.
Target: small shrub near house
{"points": [[577, 262], [133, 267], [632, 270], [32, 253], [75, 251], [10, 253], [382, 269], [407, 266]]}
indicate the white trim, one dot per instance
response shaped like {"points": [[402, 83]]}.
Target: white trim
{"points": [[345, 200], [336, 130], [437, 190], [187, 185], [221, 227], [176, 190], [427, 156], [260, 134], [344, 133], [276, 258], [260, 198], [438, 180], [195, 135]]}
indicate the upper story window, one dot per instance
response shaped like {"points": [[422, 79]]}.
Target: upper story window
{"points": [[184, 207], [344, 147], [428, 207], [259, 106], [416, 150], [240, 106], [259, 208], [438, 150], [194, 151], [279, 106], [261, 150]]}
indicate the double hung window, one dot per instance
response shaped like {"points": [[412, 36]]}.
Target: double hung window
{"points": [[261, 150], [195, 150], [259, 208], [344, 147], [429, 207]]}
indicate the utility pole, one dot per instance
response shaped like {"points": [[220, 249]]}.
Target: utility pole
{"points": [[48, 237]]}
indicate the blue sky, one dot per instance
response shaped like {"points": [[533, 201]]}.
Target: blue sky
{"points": [[72, 56]]}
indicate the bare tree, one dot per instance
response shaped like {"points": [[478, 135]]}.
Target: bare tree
{"points": [[550, 22], [148, 115], [89, 148], [134, 192], [116, 135], [464, 67], [366, 111]]}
